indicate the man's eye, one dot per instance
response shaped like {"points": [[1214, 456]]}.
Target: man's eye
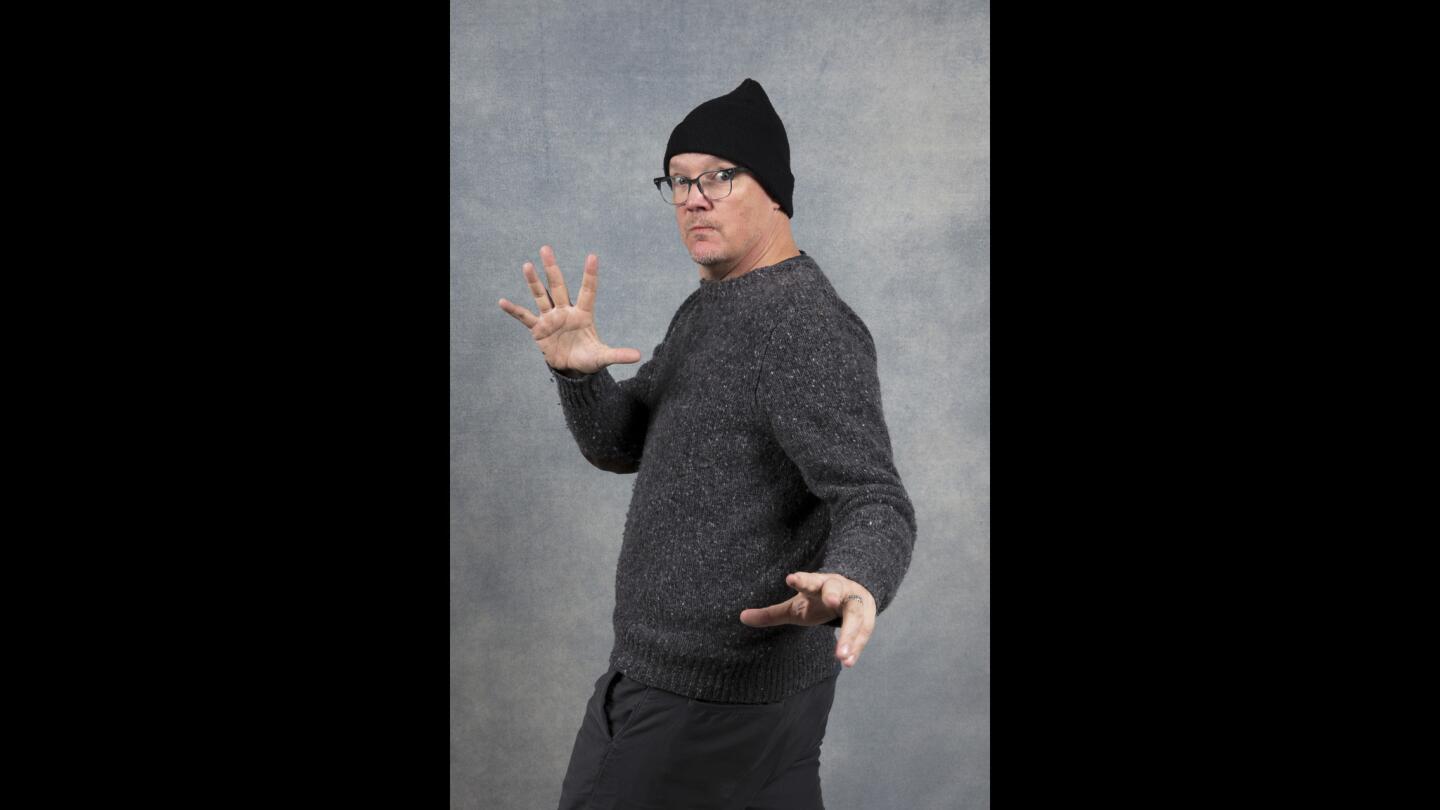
{"points": [[724, 174], [680, 181]]}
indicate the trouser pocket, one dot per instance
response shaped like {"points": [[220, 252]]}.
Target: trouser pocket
{"points": [[623, 699]]}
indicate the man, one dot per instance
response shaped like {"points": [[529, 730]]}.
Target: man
{"points": [[765, 477]]}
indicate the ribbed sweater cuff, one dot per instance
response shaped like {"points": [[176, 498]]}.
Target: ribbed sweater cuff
{"points": [[582, 391]]}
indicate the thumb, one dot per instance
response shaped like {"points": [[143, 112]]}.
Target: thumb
{"points": [[766, 616], [622, 356]]}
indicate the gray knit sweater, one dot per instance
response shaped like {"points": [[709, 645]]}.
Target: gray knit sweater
{"points": [[757, 432]]}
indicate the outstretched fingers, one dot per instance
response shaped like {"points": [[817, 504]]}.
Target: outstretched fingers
{"points": [[537, 290], [558, 293], [857, 616], [857, 620], [856, 626], [588, 284], [519, 313]]}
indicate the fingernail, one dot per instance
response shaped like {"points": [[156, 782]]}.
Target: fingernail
{"points": [[844, 650]]}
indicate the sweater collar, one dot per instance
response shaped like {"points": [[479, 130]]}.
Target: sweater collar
{"points": [[758, 276]]}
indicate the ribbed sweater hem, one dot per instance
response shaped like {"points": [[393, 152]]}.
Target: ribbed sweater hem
{"points": [[804, 659]]}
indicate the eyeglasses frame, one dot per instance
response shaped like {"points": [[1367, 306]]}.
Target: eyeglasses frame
{"points": [[694, 182]]}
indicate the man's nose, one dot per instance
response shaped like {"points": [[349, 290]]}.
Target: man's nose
{"points": [[696, 199]]}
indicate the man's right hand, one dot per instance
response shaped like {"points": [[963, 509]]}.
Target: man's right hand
{"points": [[566, 334]]}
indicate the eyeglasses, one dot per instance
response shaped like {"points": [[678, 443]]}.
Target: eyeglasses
{"points": [[715, 185]]}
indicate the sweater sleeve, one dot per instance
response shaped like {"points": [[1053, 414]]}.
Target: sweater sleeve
{"points": [[820, 390], [608, 419]]}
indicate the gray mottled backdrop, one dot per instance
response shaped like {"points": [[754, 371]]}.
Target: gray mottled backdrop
{"points": [[559, 115]]}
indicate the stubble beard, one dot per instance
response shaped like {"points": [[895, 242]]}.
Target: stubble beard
{"points": [[708, 259], [707, 255]]}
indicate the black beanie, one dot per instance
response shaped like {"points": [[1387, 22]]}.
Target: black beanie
{"points": [[743, 127]]}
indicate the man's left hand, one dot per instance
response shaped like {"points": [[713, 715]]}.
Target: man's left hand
{"points": [[820, 598]]}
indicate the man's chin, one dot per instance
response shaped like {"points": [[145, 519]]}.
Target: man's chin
{"points": [[707, 258]]}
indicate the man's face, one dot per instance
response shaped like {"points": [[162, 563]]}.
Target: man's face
{"points": [[732, 226]]}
